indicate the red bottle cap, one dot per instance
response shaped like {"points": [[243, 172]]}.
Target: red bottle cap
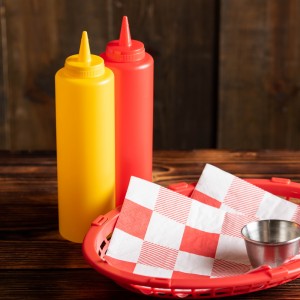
{"points": [[125, 49]]}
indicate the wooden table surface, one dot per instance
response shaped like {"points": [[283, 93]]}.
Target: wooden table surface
{"points": [[36, 263]]}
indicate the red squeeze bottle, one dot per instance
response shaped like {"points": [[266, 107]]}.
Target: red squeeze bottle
{"points": [[133, 69]]}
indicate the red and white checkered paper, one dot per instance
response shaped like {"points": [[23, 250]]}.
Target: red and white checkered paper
{"points": [[161, 233], [227, 192]]}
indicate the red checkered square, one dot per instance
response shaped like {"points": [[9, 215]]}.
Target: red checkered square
{"points": [[244, 197], [223, 268], [133, 214], [199, 196], [199, 242], [173, 205], [233, 224], [157, 256]]}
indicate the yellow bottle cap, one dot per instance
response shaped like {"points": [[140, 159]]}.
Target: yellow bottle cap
{"points": [[84, 64]]}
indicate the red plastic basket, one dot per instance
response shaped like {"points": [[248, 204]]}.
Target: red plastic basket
{"points": [[97, 240]]}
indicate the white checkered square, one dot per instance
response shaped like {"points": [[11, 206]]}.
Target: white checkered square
{"points": [[214, 182], [164, 231], [233, 249], [152, 271], [205, 217], [272, 207], [142, 192], [124, 246], [193, 264]]}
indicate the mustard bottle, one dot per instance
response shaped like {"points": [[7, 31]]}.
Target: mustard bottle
{"points": [[85, 134]]}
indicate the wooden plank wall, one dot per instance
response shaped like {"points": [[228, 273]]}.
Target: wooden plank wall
{"points": [[259, 100], [226, 71], [41, 34]]}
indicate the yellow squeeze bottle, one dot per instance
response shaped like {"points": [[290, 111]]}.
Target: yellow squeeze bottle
{"points": [[85, 133]]}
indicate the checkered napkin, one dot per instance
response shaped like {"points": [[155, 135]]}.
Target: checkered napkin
{"points": [[161, 233], [229, 193]]}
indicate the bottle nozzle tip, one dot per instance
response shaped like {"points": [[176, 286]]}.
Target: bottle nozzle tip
{"points": [[125, 37], [84, 50]]}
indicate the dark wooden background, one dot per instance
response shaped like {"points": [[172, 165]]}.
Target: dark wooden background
{"points": [[227, 72]]}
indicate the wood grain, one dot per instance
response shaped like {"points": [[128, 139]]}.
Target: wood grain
{"points": [[60, 284], [226, 72], [179, 34], [31, 48], [4, 104], [259, 82], [87, 284]]}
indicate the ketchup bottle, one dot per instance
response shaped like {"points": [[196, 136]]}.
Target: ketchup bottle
{"points": [[85, 127], [133, 69]]}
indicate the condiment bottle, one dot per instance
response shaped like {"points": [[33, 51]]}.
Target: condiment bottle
{"points": [[133, 69], [85, 127]]}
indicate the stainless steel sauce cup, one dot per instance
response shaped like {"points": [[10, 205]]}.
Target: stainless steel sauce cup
{"points": [[271, 242]]}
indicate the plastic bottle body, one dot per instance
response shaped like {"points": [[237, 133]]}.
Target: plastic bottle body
{"points": [[134, 120], [85, 128]]}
